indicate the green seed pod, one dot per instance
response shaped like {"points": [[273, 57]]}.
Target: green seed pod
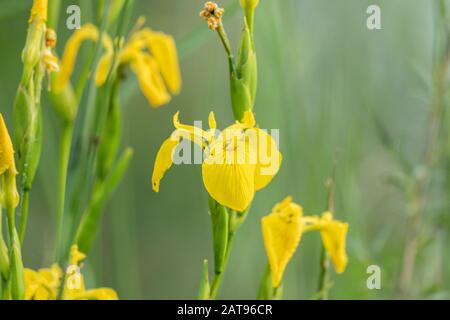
{"points": [[220, 228]]}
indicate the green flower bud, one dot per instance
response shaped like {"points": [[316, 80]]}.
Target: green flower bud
{"points": [[243, 81], [28, 136], [249, 4]]}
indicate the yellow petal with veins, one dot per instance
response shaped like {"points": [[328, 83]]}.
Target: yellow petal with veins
{"points": [[268, 157], [230, 184], [227, 174], [282, 231], [163, 161]]}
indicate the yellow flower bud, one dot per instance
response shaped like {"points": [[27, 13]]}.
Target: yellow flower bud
{"points": [[9, 195], [39, 11]]}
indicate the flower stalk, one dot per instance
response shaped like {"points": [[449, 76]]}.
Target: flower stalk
{"points": [[225, 220], [325, 284]]}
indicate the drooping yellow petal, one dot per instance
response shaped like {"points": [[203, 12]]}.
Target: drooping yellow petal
{"points": [[334, 235], [228, 173], [163, 161], [268, 157], [86, 32], [163, 49], [150, 80], [282, 231], [105, 62], [6, 149], [39, 11], [232, 185]]}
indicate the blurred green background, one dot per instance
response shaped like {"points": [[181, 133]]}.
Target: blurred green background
{"points": [[328, 84]]}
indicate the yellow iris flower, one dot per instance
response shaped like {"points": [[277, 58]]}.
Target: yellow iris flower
{"points": [[152, 56], [282, 230], [44, 284], [233, 168]]}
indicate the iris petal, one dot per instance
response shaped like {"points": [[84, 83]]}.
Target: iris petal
{"points": [[282, 231]]}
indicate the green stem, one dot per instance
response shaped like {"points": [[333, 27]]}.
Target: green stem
{"points": [[53, 14], [324, 287], [24, 214], [226, 44], [218, 275], [64, 156], [16, 279]]}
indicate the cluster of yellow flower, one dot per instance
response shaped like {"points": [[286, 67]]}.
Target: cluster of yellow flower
{"points": [[45, 284], [152, 56]]}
